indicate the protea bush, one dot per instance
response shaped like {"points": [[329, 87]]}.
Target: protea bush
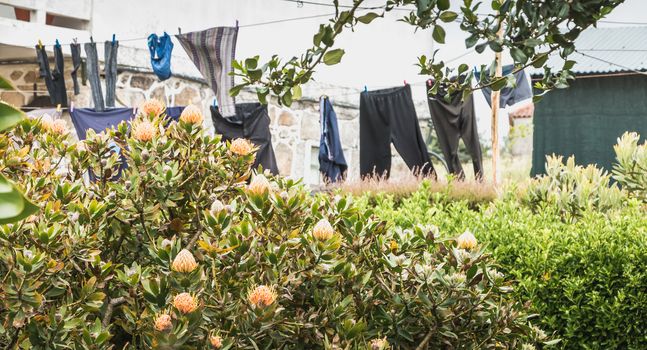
{"points": [[156, 235]]}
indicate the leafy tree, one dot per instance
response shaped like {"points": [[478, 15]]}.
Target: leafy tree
{"points": [[532, 30]]}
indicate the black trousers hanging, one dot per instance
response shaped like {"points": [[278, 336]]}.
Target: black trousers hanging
{"points": [[387, 116], [251, 122], [454, 120]]}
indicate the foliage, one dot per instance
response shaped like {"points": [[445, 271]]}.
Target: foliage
{"points": [[572, 189], [180, 249], [630, 169], [531, 32], [585, 278], [13, 205]]}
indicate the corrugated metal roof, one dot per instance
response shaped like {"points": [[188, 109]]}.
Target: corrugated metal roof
{"points": [[606, 50]]}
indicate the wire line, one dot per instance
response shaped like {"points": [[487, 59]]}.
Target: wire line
{"points": [[612, 63]]}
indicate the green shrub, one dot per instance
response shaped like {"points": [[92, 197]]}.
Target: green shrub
{"points": [[585, 278], [630, 169], [182, 252], [573, 189]]}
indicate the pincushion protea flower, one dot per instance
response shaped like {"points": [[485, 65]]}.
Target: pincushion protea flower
{"points": [[262, 296], [192, 115], [59, 126], [46, 122], [185, 303], [163, 323], [184, 262], [241, 147], [323, 231], [152, 108], [215, 341], [466, 241], [217, 207], [259, 185], [379, 344], [143, 130]]}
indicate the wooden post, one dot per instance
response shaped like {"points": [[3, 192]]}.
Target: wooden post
{"points": [[495, 110]]}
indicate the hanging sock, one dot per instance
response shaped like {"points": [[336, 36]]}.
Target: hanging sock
{"points": [[212, 51], [332, 163], [387, 116], [251, 122], [76, 65], [93, 75], [110, 70], [161, 49], [53, 80], [454, 120], [510, 95]]}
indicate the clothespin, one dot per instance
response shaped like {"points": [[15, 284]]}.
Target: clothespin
{"points": [[58, 107], [236, 23], [75, 40], [57, 43], [215, 102], [405, 83], [113, 39], [71, 106], [365, 88], [91, 39], [134, 110], [40, 44], [179, 31]]}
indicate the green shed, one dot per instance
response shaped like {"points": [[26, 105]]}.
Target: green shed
{"points": [[607, 98]]}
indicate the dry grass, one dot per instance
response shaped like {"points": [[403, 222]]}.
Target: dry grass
{"points": [[471, 191]]}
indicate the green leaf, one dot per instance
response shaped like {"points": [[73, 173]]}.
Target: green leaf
{"points": [[439, 34], [13, 205], [5, 84], [296, 92], [540, 60], [369, 17], [234, 91], [443, 5], [448, 16], [499, 84], [518, 55], [9, 116], [333, 57]]}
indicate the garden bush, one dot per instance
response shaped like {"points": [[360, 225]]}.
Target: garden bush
{"points": [[630, 169], [174, 242], [586, 277]]}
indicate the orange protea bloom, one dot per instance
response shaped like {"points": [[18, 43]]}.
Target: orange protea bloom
{"points": [[192, 115], [59, 127], [184, 262], [143, 130], [216, 341], [241, 147], [185, 302], [46, 122], [323, 231], [466, 241], [152, 108], [163, 323], [259, 185], [262, 296]]}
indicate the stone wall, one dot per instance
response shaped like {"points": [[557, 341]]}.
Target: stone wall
{"points": [[295, 130]]}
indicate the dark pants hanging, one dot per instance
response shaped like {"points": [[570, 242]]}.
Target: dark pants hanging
{"points": [[76, 64], [454, 120], [93, 75], [54, 81], [387, 116], [251, 122], [110, 70]]}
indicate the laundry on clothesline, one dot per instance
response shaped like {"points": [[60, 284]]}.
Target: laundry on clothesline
{"points": [[212, 51], [40, 113], [110, 71], [250, 122], [92, 62], [510, 95], [77, 63], [332, 163], [388, 116], [454, 120], [54, 80], [161, 49]]}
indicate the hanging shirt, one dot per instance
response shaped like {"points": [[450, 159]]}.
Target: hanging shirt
{"points": [[161, 49], [511, 95], [332, 163], [212, 51]]}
